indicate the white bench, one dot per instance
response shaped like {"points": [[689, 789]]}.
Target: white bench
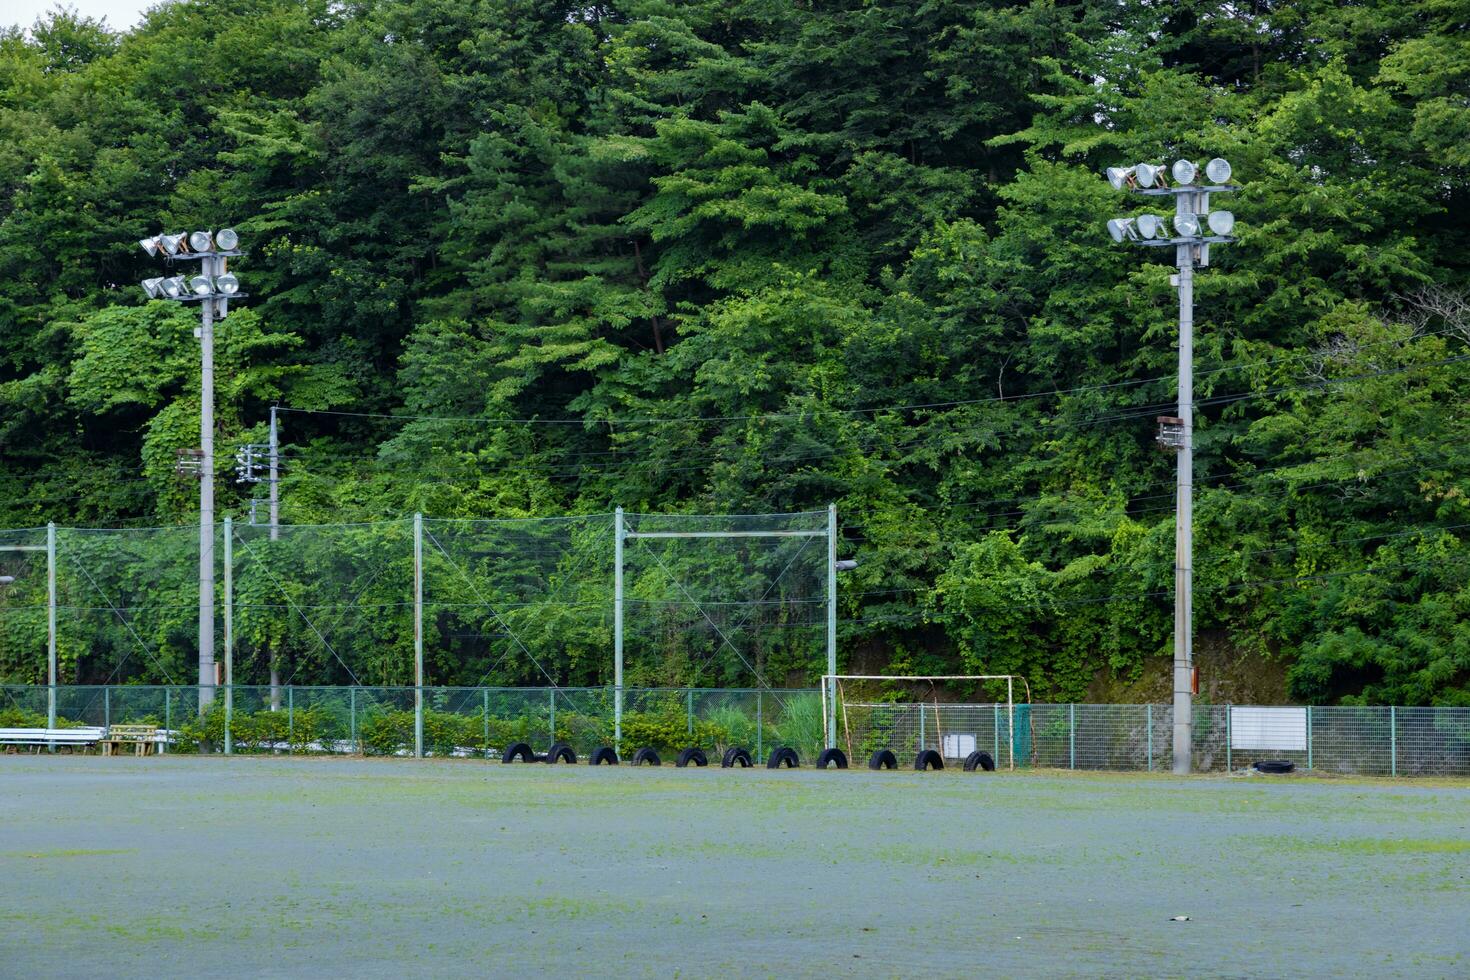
{"points": [[36, 737]]}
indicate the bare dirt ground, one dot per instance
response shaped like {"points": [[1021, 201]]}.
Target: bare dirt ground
{"points": [[203, 867]]}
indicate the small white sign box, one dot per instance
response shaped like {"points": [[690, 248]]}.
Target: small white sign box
{"points": [[1280, 729], [958, 745]]}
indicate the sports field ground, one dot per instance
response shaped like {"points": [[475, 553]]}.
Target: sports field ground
{"points": [[177, 866]]}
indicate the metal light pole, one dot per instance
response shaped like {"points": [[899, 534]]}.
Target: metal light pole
{"points": [[1191, 243], [213, 288]]}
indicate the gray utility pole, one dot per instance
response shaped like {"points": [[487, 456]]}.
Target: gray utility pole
{"points": [[832, 626], [1195, 229], [418, 636], [275, 487], [617, 631], [247, 470]]}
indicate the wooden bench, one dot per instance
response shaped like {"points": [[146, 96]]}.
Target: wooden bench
{"points": [[142, 738], [38, 738]]}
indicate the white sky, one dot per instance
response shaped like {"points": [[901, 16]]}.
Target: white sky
{"points": [[120, 14]]}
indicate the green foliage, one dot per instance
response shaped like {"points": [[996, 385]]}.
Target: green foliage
{"points": [[740, 258]]}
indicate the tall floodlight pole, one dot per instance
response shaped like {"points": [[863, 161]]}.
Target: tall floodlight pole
{"points": [[213, 289], [206, 496], [1195, 229]]}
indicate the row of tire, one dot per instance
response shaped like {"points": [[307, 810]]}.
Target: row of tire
{"points": [[736, 757]]}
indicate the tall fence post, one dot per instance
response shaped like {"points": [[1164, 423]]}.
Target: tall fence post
{"points": [[759, 703], [689, 710], [922, 736], [290, 720], [168, 713], [1393, 741], [618, 630], [1149, 721], [107, 707], [552, 714], [995, 755], [1071, 736], [51, 627], [229, 532], [1229, 766], [485, 714], [352, 720], [418, 636], [1309, 736]]}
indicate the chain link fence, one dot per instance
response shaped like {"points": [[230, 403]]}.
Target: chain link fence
{"points": [[481, 722]]}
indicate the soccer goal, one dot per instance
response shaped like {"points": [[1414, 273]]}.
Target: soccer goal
{"points": [[921, 721]]}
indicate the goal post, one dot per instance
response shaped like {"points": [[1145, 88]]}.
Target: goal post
{"points": [[864, 724]]}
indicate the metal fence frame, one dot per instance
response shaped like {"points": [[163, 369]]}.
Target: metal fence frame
{"points": [[437, 721]]}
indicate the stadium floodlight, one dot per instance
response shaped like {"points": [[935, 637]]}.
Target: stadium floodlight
{"points": [[1122, 228], [1147, 175], [845, 564], [1119, 177], [1151, 226], [1191, 250], [214, 287], [6, 579]]}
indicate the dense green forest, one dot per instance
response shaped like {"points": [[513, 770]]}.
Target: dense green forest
{"points": [[750, 256]]}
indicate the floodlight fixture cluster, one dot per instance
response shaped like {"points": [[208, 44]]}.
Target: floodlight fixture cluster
{"points": [[210, 247], [192, 244], [1191, 225]]}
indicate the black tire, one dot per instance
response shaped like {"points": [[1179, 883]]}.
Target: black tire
{"points": [[604, 756], [693, 755], [928, 759], [646, 757], [836, 758], [518, 750], [735, 756], [1275, 766], [883, 759], [784, 756], [560, 752], [979, 760]]}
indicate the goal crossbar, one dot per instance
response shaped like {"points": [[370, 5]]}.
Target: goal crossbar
{"points": [[832, 682]]}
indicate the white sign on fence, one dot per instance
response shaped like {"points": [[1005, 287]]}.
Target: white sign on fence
{"points": [[1281, 729], [958, 745]]}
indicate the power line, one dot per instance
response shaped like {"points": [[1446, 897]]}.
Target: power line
{"points": [[921, 406]]}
